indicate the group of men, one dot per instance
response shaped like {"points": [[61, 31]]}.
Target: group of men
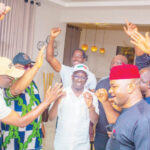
{"points": [[123, 112]]}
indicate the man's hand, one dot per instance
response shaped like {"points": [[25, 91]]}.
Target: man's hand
{"points": [[130, 28], [55, 32], [3, 10], [109, 134], [52, 94], [102, 95], [141, 42], [40, 57], [88, 99]]}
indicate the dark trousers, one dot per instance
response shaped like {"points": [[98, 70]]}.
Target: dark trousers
{"points": [[100, 141]]}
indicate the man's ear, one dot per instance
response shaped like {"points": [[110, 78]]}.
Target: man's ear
{"points": [[131, 87]]}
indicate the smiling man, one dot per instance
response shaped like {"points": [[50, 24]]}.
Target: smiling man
{"points": [[132, 128], [75, 111], [78, 57]]}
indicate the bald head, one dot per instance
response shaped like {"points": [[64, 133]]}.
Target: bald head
{"points": [[118, 60], [145, 81], [145, 74]]}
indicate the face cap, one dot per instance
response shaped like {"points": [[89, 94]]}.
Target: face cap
{"points": [[7, 68], [22, 58], [81, 67]]}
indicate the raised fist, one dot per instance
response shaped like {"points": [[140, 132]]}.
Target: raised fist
{"points": [[55, 32], [101, 94]]}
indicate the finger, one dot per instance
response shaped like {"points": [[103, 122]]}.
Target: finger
{"points": [[147, 35], [125, 29], [134, 43], [139, 35], [134, 38], [57, 86], [59, 90], [49, 89], [61, 94], [126, 20]]}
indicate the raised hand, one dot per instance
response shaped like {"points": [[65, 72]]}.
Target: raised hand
{"points": [[88, 99], [130, 28], [141, 42], [52, 94], [102, 95], [55, 32], [40, 57], [3, 10]]}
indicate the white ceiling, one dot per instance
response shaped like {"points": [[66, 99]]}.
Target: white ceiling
{"points": [[101, 3], [94, 0]]}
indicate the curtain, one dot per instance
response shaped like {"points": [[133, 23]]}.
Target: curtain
{"points": [[17, 28], [71, 43]]}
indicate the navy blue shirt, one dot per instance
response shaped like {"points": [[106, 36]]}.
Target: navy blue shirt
{"points": [[132, 129], [147, 99], [142, 61], [102, 122]]}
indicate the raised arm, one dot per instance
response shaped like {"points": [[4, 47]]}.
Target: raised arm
{"points": [[55, 64], [22, 83], [89, 102], [14, 118], [130, 30], [143, 43], [54, 111]]}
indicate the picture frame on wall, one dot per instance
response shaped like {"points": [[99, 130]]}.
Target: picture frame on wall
{"points": [[129, 52]]}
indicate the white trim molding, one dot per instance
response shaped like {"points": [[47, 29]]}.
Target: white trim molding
{"points": [[121, 3]]}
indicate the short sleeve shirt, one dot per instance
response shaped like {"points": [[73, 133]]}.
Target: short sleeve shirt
{"points": [[4, 110], [66, 76]]}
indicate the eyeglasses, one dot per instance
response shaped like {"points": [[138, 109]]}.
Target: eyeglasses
{"points": [[80, 77], [27, 66]]}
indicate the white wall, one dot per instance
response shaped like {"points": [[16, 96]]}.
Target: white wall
{"points": [[47, 17], [138, 15]]}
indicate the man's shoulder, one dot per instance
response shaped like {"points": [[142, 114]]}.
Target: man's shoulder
{"points": [[65, 66], [103, 80], [65, 69], [91, 74]]}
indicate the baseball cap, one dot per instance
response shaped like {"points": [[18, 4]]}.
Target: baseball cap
{"points": [[81, 67], [124, 71], [22, 58], [7, 68]]}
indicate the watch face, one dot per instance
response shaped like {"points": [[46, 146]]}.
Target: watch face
{"points": [[40, 44]]}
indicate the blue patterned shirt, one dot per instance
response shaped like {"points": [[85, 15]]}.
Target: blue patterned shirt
{"points": [[29, 137]]}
